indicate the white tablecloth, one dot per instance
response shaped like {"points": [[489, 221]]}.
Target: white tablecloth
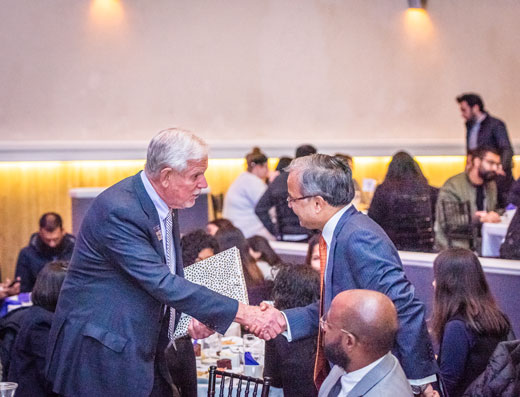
{"points": [[493, 235]]}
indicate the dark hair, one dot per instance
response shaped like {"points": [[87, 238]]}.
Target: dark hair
{"points": [[222, 223], [194, 242], [295, 286], [256, 157], [403, 168], [305, 150], [313, 241], [471, 99], [233, 237], [48, 285], [50, 221], [282, 163], [267, 254], [481, 152], [461, 290]]}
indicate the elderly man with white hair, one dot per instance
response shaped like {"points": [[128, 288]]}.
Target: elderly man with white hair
{"points": [[125, 288]]}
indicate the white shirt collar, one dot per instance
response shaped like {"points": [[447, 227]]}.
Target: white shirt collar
{"points": [[158, 202], [350, 379], [330, 226]]}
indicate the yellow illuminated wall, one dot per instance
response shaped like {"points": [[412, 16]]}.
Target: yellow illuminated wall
{"points": [[28, 189]]}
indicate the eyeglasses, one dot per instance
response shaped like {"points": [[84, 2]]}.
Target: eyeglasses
{"points": [[292, 200], [324, 324]]}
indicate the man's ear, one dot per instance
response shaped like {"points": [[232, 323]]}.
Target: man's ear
{"points": [[164, 176], [349, 341], [319, 204]]}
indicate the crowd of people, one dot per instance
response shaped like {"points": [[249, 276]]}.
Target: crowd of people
{"points": [[346, 321]]}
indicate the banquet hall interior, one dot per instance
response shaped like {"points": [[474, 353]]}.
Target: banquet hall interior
{"points": [[85, 85]]}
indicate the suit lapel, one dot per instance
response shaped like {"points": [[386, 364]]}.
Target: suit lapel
{"points": [[154, 224], [332, 252], [373, 377], [176, 241]]}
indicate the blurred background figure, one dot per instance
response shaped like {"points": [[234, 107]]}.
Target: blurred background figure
{"points": [[267, 260], [286, 226], [313, 253], [196, 246], [50, 243], [220, 223], [258, 289], [244, 193], [404, 204], [283, 162], [291, 364], [510, 248], [27, 363], [466, 321]]}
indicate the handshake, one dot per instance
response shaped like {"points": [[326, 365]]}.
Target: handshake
{"points": [[264, 321]]}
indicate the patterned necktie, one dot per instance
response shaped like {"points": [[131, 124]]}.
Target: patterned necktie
{"points": [[320, 366], [170, 260]]}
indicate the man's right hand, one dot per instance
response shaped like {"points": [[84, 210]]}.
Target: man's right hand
{"points": [[266, 322]]}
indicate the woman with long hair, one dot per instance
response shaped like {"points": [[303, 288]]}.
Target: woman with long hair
{"points": [[404, 202], [466, 321], [27, 364], [257, 288], [313, 253], [266, 259]]}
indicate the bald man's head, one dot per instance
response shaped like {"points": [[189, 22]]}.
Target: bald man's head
{"points": [[370, 316]]}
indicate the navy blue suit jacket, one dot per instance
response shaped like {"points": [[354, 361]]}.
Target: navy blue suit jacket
{"points": [[361, 256], [105, 334]]}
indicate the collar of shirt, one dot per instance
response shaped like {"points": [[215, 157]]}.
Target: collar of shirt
{"points": [[351, 379], [159, 204], [330, 226]]}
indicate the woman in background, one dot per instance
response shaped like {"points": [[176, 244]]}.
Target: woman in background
{"points": [[466, 322], [258, 289], [291, 364], [313, 252], [266, 259], [27, 364], [220, 223]]}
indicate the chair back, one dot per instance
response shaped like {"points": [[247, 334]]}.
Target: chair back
{"points": [[457, 222], [245, 384], [412, 222]]}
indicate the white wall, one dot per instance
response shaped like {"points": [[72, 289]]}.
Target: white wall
{"points": [[248, 71]]}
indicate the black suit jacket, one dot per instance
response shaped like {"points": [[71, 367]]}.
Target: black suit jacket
{"points": [[493, 133]]}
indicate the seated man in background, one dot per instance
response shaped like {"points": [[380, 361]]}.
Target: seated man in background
{"points": [[287, 227], [49, 244], [475, 185], [359, 332]]}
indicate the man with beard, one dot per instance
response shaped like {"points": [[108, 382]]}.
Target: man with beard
{"points": [[475, 185], [359, 332], [483, 130], [49, 244]]}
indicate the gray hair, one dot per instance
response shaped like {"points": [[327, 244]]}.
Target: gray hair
{"points": [[173, 148], [326, 176]]}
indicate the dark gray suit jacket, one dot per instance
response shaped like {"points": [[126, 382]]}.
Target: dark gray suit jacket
{"points": [[361, 256], [105, 334], [385, 379]]}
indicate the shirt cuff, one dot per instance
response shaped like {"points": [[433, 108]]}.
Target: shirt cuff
{"points": [[423, 381], [287, 333]]}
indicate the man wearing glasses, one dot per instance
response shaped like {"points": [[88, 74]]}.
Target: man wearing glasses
{"points": [[477, 186], [355, 254], [359, 332]]}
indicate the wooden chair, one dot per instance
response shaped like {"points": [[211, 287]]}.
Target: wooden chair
{"points": [[458, 224], [244, 382]]}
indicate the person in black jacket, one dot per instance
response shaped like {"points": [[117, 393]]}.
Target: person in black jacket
{"points": [[291, 364], [287, 226], [510, 248], [467, 322], [485, 130], [27, 363], [50, 243]]}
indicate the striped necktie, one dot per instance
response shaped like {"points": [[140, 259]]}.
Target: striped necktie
{"points": [[170, 260], [321, 365]]}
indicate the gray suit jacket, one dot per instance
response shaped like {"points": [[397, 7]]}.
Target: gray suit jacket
{"points": [[385, 379]]}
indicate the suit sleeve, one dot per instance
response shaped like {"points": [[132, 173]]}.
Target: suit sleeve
{"points": [[262, 208], [128, 247], [374, 264], [304, 321]]}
